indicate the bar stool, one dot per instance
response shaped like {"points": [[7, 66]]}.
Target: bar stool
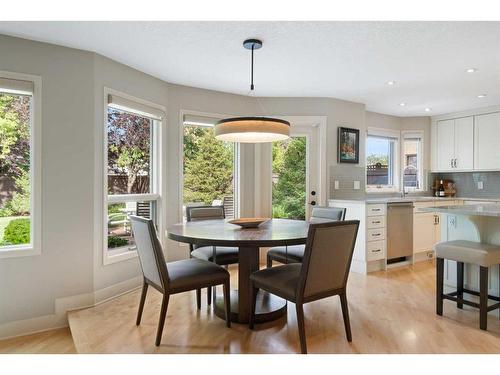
{"points": [[481, 254]]}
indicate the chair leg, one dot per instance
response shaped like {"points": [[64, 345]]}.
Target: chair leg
{"points": [[345, 315], [141, 303], [198, 299], [209, 295], [439, 285], [227, 303], [251, 319], [161, 322], [302, 331], [269, 261], [499, 288], [483, 297], [460, 283]]}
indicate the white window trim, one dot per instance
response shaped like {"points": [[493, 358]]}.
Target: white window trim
{"points": [[396, 134], [408, 134], [120, 254], [35, 248], [236, 162]]}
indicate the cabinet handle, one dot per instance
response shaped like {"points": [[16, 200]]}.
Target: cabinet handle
{"points": [[375, 234], [375, 209], [376, 251], [376, 222]]}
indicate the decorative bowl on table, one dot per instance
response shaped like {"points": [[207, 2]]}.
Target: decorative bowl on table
{"points": [[249, 222]]}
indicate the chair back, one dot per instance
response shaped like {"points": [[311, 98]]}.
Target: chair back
{"points": [[327, 258], [154, 267], [333, 213], [197, 213]]}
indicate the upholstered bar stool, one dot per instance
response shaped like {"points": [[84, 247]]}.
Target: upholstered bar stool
{"points": [[481, 254]]}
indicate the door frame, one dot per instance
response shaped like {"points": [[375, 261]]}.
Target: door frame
{"points": [[263, 165]]}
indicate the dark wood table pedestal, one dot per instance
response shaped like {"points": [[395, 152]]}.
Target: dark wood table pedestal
{"points": [[268, 307]]}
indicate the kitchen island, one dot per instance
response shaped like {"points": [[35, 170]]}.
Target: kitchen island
{"points": [[479, 223]]}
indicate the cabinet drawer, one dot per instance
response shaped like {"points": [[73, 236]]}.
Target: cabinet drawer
{"points": [[375, 209], [375, 234], [375, 250], [375, 222]]}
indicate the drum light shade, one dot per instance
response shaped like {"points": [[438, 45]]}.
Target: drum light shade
{"points": [[252, 129]]}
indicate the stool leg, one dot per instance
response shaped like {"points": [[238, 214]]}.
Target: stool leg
{"points": [[439, 285], [483, 297], [460, 283]]}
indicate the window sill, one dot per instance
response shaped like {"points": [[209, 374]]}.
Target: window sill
{"points": [[18, 251], [382, 190], [119, 255]]}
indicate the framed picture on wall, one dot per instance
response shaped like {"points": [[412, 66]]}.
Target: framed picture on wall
{"points": [[348, 145]]}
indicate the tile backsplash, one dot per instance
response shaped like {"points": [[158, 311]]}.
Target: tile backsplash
{"points": [[468, 183]]}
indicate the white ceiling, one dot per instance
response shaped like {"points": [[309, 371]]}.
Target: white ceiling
{"points": [[345, 60]]}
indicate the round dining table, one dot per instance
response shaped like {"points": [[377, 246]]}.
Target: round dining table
{"points": [[275, 232]]}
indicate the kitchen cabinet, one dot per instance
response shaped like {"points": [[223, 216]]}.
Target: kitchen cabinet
{"points": [[455, 144], [426, 231], [487, 141]]}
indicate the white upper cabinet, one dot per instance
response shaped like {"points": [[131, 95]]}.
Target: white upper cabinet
{"points": [[445, 144], [487, 141], [454, 144], [464, 143]]}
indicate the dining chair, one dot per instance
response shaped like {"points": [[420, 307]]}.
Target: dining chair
{"points": [[220, 255], [173, 277], [322, 273], [295, 253]]}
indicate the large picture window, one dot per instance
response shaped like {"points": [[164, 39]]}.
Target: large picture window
{"points": [[209, 167], [131, 170], [17, 172], [381, 161]]}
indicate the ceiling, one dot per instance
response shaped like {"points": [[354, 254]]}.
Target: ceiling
{"points": [[345, 60]]}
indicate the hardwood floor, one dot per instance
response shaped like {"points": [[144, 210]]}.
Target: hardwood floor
{"points": [[57, 341], [391, 312]]}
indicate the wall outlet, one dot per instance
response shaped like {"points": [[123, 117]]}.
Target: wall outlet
{"points": [[356, 185], [452, 221], [336, 183], [480, 185]]}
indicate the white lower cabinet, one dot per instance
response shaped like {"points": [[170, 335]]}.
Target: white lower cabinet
{"points": [[425, 231], [375, 250]]}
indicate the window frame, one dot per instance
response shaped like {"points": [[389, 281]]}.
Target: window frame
{"points": [[35, 246], [386, 133], [408, 135], [128, 252], [236, 162]]}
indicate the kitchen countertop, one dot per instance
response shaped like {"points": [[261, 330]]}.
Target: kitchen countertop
{"points": [[492, 210], [415, 199]]}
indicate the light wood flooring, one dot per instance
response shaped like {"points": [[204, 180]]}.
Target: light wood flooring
{"points": [[391, 312]]}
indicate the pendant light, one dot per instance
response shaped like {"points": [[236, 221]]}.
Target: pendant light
{"points": [[252, 129]]}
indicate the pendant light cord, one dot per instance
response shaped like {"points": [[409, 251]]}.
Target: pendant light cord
{"points": [[251, 85]]}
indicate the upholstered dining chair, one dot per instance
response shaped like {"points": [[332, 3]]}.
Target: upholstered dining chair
{"points": [[220, 255], [323, 272], [295, 253], [173, 277]]}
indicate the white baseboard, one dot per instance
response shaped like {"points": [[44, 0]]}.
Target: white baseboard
{"points": [[63, 305]]}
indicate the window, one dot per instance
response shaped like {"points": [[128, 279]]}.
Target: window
{"points": [[132, 169], [19, 215], [382, 161], [209, 167], [412, 161]]}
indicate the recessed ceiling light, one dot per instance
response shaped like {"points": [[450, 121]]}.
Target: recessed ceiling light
{"points": [[391, 83], [482, 96], [471, 70], [402, 104], [427, 110]]}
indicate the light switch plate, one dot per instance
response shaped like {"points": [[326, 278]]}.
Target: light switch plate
{"points": [[356, 185], [336, 185], [480, 185]]}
